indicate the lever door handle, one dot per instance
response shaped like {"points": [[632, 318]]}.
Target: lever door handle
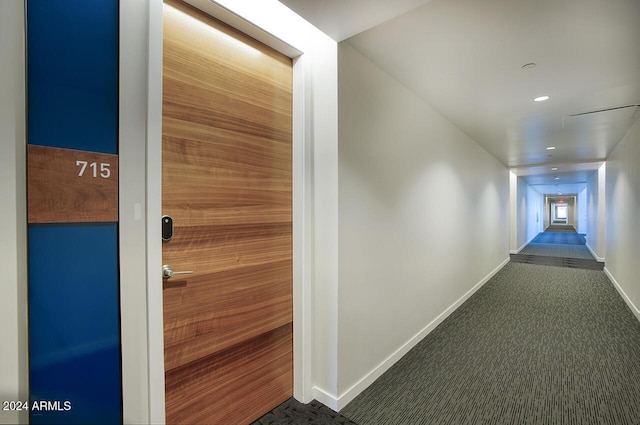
{"points": [[167, 272]]}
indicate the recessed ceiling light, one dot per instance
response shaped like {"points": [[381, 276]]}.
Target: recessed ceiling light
{"points": [[554, 169], [541, 98], [557, 178], [550, 148]]}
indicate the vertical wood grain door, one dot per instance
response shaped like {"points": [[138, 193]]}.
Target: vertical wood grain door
{"points": [[226, 182]]}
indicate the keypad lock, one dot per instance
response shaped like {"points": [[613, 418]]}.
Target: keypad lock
{"points": [[167, 228]]}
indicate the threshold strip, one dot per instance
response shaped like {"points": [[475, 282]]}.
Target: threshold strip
{"points": [[543, 260]]}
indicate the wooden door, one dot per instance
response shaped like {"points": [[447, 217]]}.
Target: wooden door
{"points": [[226, 182]]}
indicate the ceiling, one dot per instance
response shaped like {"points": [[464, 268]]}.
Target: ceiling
{"points": [[465, 58]]}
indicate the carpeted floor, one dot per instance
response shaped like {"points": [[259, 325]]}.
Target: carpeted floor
{"points": [[543, 260], [558, 250], [535, 345], [292, 412], [565, 238], [560, 228], [562, 248]]}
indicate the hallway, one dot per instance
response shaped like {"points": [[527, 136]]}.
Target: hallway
{"points": [[536, 345], [431, 141]]}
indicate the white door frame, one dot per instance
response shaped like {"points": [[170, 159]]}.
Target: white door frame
{"points": [[314, 119], [14, 370]]}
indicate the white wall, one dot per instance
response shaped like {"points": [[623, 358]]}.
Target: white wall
{"points": [[622, 220], [581, 206], [571, 211], [13, 252], [521, 214], [547, 212], [602, 213], [527, 213], [423, 220], [596, 203], [513, 213], [535, 212]]}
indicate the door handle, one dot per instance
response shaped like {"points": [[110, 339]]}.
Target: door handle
{"points": [[167, 272]]}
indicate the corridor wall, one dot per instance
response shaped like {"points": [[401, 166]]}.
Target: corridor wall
{"points": [[623, 209], [596, 202], [423, 219], [527, 213]]}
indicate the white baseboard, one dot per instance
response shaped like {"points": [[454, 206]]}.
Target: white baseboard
{"points": [[374, 374], [517, 251], [625, 297], [598, 259], [325, 398]]}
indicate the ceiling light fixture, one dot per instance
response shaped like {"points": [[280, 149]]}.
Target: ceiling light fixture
{"points": [[550, 148], [541, 98], [554, 169], [557, 178]]}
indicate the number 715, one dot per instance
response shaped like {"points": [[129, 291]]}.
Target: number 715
{"points": [[105, 171]]}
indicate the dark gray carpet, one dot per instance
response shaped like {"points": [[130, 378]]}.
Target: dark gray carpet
{"points": [[558, 250], [576, 263], [535, 345], [560, 228], [292, 412], [566, 238]]}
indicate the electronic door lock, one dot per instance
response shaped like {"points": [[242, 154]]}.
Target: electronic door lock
{"points": [[167, 228]]}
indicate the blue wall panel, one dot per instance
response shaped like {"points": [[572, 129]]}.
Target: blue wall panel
{"points": [[72, 65], [74, 321], [74, 328]]}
